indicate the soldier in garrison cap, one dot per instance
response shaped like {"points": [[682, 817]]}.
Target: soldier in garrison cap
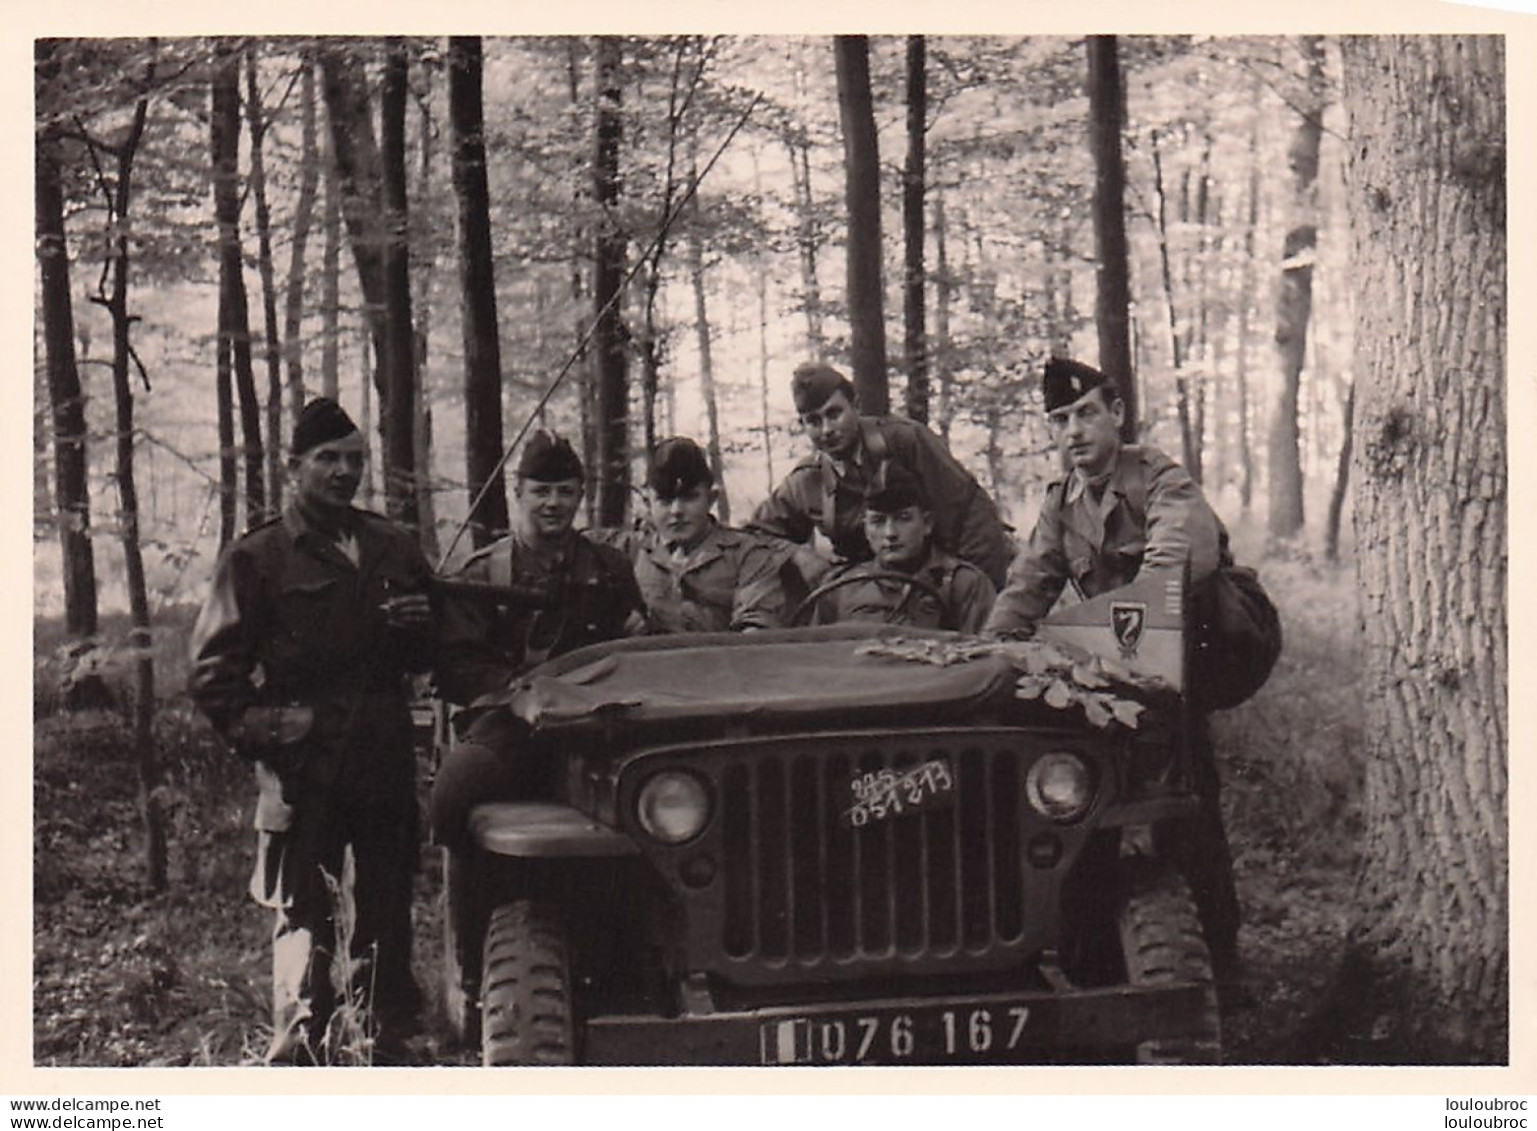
{"points": [[327, 603], [826, 492], [574, 592], [944, 591], [1123, 508], [696, 575]]}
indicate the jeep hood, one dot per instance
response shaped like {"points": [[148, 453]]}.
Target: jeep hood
{"points": [[811, 676]]}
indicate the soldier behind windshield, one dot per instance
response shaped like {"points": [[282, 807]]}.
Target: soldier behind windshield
{"points": [[910, 580], [695, 574]]}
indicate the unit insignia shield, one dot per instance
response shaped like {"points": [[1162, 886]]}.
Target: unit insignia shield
{"points": [[1127, 619]]}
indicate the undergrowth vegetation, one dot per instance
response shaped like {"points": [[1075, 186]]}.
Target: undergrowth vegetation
{"points": [[124, 976]]}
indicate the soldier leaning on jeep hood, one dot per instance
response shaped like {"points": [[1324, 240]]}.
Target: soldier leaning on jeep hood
{"points": [[299, 658], [1123, 507]]}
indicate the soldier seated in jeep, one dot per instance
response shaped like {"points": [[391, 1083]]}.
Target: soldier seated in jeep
{"points": [[910, 580]]}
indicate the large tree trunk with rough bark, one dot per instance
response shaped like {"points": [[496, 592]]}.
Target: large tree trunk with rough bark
{"points": [[914, 344], [862, 196], [66, 402], [477, 283], [1294, 306], [612, 427], [1112, 272], [1427, 206]]}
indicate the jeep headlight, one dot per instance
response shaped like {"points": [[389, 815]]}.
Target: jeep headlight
{"points": [[1059, 786], [673, 806]]}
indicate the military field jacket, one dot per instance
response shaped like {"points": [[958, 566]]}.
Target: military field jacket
{"points": [[821, 493], [729, 581], [966, 596], [589, 592], [1150, 513], [290, 619]]}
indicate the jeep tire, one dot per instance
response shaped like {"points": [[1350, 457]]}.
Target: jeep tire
{"points": [[526, 1014], [460, 1009], [1162, 944]]}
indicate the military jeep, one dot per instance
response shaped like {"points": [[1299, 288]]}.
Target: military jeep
{"points": [[843, 845]]}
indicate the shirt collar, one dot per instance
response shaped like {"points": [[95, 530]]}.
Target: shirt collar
{"points": [[1078, 483]]}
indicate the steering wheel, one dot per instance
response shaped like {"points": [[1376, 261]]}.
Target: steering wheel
{"points": [[810, 601]]}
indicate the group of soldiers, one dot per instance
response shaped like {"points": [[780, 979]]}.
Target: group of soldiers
{"points": [[315, 621]]}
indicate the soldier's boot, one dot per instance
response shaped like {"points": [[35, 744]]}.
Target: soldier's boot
{"points": [[302, 997]]}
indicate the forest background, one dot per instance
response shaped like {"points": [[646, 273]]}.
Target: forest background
{"points": [[267, 260]]}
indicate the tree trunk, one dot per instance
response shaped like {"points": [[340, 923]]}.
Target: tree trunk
{"points": [[256, 121], [1341, 478], [359, 179], [1295, 303], [761, 279], [1197, 332], [304, 211], [1112, 274], [235, 320], [229, 475], [702, 332], [66, 396], [397, 401], [862, 196], [425, 256], [914, 345], [808, 230], [944, 290], [1177, 353], [578, 240], [330, 278], [1245, 303], [1427, 207], [116, 303], [477, 283], [612, 426]]}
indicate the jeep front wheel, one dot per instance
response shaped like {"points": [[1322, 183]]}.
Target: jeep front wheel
{"points": [[526, 1015], [1162, 944]]}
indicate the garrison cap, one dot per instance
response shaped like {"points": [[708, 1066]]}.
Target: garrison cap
{"points": [[1066, 380], [677, 465], [320, 422], [549, 458], [894, 488], [813, 382]]}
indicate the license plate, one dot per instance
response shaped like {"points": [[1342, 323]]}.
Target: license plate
{"points": [[921, 1035], [882, 794]]}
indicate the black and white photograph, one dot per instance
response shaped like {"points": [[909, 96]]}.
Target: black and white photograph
{"points": [[921, 549]]}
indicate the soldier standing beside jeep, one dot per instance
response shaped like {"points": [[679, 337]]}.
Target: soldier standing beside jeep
{"points": [[548, 590], [1121, 508], [299, 659]]}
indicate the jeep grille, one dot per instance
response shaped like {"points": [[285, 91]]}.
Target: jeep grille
{"points": [[803, 888]]}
